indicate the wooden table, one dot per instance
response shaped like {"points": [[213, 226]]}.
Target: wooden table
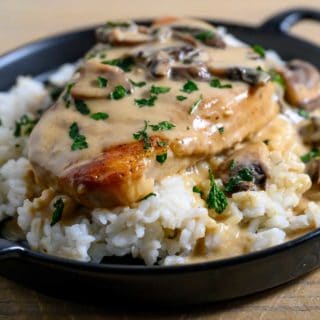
{"points": [[23, 21]]}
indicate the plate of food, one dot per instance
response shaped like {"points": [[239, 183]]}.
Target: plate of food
{"points": [[171, 161]]}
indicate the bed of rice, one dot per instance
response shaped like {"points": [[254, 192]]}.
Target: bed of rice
{"points": [[166, 228]]}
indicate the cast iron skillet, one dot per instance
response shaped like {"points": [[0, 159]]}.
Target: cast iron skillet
{"points": [[174, 285]]}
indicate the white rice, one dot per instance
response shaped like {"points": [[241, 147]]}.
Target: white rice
{"points": [[165, 228]]}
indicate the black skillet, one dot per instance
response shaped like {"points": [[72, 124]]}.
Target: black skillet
{"points": [[175, 285]]}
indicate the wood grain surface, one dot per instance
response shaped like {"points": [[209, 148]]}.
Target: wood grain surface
{"points": [[22, 21]]}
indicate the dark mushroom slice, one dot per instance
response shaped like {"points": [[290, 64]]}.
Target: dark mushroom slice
{"points": [[310, 131], [302, 81], [123, 33], [313, 170], [246, 169], [92, 71]]}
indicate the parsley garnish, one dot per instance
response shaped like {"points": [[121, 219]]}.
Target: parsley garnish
{"points": [[118, 93], [24, 126], [57, 213], [125, 64], [99, 116], [162, 143], [221, 130], [138, 84], [195, 105], [232, 164], [204, 35], [313, 153], [216, 83], [161, 158], [146, 102], [189, 87], [259, 50], [151, 194], [276, 77], [304, 113], [196, 189], [162, 126], [142, 135], [102, 82], [79, 141], [67, 98], [158, 90], [216, 198], [181, 98], [244, 174], [82, 107], [55, 93]]}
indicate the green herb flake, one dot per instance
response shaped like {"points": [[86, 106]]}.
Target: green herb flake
{"points": [[55, 92], [277, 77], [146, 102], [99, 116], [196, 189], [24, 126], [259, 50], [195, 105], [139, 84], [216, 83], [57, 213], [189, 87], [181, 98], [162, 126], [142, 135], [102, 82], [79, 141], [304, 113], [232, 164], [313, 153], [216, 198], [221, 130], [118, 93], [67, 98], [161, 158], [204, 35], [125, 63], [82, 107], [162, 143], [159, 90], [244, 174], [151, 194]]}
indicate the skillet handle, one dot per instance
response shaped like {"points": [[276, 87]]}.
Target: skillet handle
{"points": [[282, 22], [7, 248]]}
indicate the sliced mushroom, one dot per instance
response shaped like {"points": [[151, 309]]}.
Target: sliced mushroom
{"points": [[310, 131], [313, 170], [87, 85], [126, 33], [252, 160], [303, 84]]}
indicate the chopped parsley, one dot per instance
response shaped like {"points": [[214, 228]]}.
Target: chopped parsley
{"points": [[114, 24], [244, 174], [99, 116], [216, 198], [142, 135], [181, 98], [159, 90], [151, 194], [67, 98], [162, 143], [216, 83], [82, 107], [79, 141], [162, 126], [276, 77], [55, 92], [195, 105], [304, 113], [189, 87], [118, 93], [313, 153], [125, 63], [24, 126], [259, 50], [196, 189], [204, 35], [146, 102], [221, 130], [138, 84], [57, 213], [102, 82], [161, 158], [232, 164]]}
